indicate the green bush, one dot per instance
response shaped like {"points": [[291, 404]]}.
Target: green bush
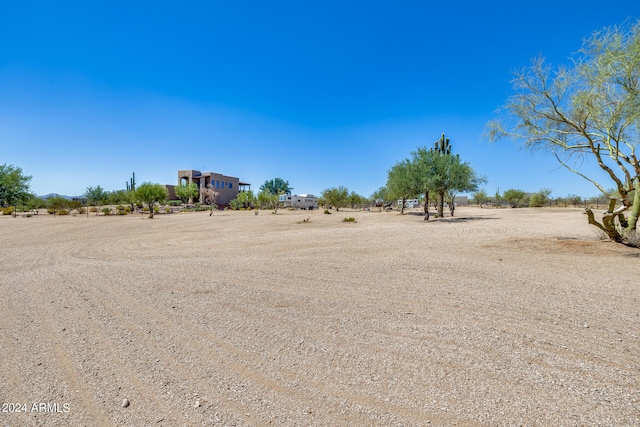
{"points": [[326, 212], [51, 211], [106, 211], [7, 211], [235, 204], [62, 212], [349, 219]]}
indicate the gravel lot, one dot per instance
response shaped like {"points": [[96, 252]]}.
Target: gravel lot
{"points": [[497, 317]]}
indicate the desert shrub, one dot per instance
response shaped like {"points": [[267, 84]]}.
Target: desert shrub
{"points": [[93, 209], [80, 210], [174, 202], [29, 215], [235, 204], [326, 212], [106, 211], [145, 210], [62, 212], [7, 211], [127, 209], [167, 209], [51, 211], [349, 219], [156, 209]]}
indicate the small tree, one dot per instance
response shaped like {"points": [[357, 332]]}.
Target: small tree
{"points": [[14, 186], [574, 200], [356, 200], [95, 196], [401, 182], [336, 196], [267, 200], [513, 197], [56, 204], [540, 198], [246, 199], [480, 197], [35, 203], [186, 192], [151, 194]]}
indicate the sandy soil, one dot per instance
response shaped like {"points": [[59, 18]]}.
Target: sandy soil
{"points": [[493, 318]]}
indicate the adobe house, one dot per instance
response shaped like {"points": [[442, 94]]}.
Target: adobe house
{"points": [[228, 187]]}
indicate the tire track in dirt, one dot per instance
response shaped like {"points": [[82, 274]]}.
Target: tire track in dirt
{"points": [[577, 356], [12, 330], [505, 314], [249, 365], [63, 360], [109, 306]]}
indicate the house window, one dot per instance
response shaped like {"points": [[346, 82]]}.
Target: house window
{"points": [[217, 184], [230, 185]]}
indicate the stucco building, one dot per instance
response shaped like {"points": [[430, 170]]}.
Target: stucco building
{"points": [[227, 187]]}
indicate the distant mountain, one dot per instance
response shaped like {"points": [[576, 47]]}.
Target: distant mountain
{"points": [[47, 196]]}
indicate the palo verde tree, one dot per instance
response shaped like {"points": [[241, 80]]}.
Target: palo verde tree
{"points": [[462, 178], [14, 186], [186, 192], [589, 110], [402, 183], [514, 197], [437, 170], [480, 197], [336, 196], [268, 200], [95, 196], [151, 194]]}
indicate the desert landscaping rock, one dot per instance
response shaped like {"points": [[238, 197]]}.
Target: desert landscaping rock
{"points": [[497, 317]]}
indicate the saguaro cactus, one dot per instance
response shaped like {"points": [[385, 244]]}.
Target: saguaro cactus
{"points": [[131, 185], [442, 145]]}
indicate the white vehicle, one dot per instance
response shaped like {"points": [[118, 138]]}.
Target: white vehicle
{"points": [[409, 203], [302, 201]]}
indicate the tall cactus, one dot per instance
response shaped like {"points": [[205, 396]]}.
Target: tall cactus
{"points": [[131, 185], [442, 145]]}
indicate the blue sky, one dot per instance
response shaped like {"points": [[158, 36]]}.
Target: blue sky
{"points": [[319, 93]]}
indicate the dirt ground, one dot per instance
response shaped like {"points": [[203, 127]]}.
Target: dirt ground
{"points": [[496, 317]]}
